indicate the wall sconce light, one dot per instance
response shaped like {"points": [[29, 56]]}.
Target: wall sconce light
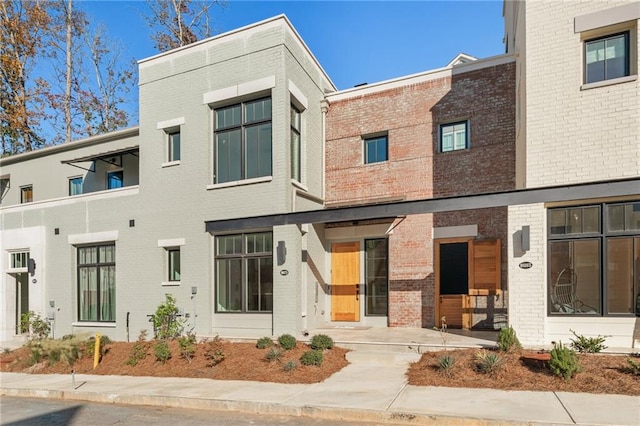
{"points": [[52, 303], [31, 267]]}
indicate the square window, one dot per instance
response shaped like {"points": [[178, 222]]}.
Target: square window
{"points": [[26, 194], [174, 146], [173, 257], [115, 179], [375, 149], [75, 186], [606, 58], [454, 136]]}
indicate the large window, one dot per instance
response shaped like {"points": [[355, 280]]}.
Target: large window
{"points": [[375, 149], [26, 194], [594, 259], [454, 136], [376, 272], [75, 186], [97, 283], [606, 58], [295, 144], [243, 141], [244, 272]]}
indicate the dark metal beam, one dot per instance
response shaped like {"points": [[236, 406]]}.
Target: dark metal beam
{"points": [[583, 191]]}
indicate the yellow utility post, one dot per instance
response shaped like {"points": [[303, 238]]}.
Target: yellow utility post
{"points": [[96, 352]]}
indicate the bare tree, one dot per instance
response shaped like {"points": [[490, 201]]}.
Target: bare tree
{"points": [[176, 23]]}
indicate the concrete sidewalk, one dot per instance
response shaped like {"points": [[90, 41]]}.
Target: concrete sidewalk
{"points": [[372, 388]]}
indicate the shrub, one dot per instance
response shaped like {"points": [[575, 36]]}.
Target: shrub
{"points": [[488, 362], [90, 345], [287, 341], [633, 367], [187, 347], [290, 366], [213, 352], [312, 357], [321, 342], [445, 364], [564, 361], [508, 340], [139, 349], [264, 342], [162, 351], [37, 327], [35, 356], [166, 324], [53, 356], [273, 354], [67, 350], [588, 345]]}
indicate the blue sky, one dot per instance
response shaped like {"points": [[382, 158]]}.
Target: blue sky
{"points": [[354, 41]]}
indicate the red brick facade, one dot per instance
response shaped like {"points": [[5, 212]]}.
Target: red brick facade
{"points": [[411, 115]]}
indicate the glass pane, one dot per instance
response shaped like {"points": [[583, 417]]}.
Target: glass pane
{"points": [[228, 156], [591, 219], [616, 61], [174, 146], [228, 117], [174, 265], [460, 132], [376, 276], [107, 293], [447, 140], [295, 119], [595, 61], [632, 217], [260, 284], [88, 294], [574, 282], [114, 179], [87, 255], [258, 151], [295, 156], [557, 221], [107, 254], [615, 218], [75, 186], [257, 110], [26, 194], [574, 222], [381, 149], [229, 285], [229, 244], [620, 276], [259, 243]]}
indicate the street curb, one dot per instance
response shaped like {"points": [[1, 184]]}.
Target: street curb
{"points": [[315, 412]]}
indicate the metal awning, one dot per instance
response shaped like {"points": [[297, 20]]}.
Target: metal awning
{"points": [[106, 156]]}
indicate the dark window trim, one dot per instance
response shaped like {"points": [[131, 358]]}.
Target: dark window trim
{"points": [[467, 125], [170, 140], [169, 264], [296, 174], [22, 193], [111, 172], [96, 265], [71, 179], [627, 53], [366, 287], [369, 138]]}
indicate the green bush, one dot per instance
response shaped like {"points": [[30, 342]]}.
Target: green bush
{"points": [[445, 364], [35, 356], [589, 345], [187, 347], [162, 351], [273, 354], [37, 327], [213, 352], [312, 357], [264, 342], [633, 367], [287, 342], [488, 362], [139, 349], [90, 345], [290, 366], [321, 342], [53, 356], [56, 350], [508, 340], [564, 361], [166, 323]]}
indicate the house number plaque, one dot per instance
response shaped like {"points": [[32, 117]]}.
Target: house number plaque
{"points": [[525, 265]]}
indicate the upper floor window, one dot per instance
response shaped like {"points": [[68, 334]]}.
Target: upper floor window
{"points": [[243, 141], [454, 136], [295, 144], [173, 257], [606, 57], [173, 148], [75, 186], [26, 194], [376, 149], [115, 179]]}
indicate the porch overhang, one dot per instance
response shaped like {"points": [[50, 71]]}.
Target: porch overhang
{"points": [[551, 194], [107, 156]]}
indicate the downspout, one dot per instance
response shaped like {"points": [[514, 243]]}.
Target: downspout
{"points": [[324, 107]]}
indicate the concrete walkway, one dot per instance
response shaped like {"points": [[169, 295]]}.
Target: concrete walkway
{"points": [[372, 388]]}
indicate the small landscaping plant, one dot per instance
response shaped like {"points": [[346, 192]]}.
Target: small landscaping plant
{"points": [[264, 342], [321, 342], [633, 367], [445, 364], [166, 323], [273, 354], [67, 350], [213, 352], [589, 345], [187, 346], [162, 351], [488, 362], [508, 340], [312, 357], [290, 366], [564, 361], [90, 345], [139, 349], [37, 327], [287, 342]]}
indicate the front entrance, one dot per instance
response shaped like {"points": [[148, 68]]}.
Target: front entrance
{"points": [[345, 279], [22, 298], [465, 268]]}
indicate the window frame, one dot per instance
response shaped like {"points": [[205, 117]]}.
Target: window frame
{"points": [[26, 189], [113, 172], [627, 56], [71, 183], [244, 257], [242, 127], [296, 143], [452, 124], [171, 272], [366, 275], [171, 145], [97, 265], [367, 140], [13, 255], [603, 237]]}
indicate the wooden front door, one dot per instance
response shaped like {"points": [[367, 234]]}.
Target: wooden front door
{"points": [[345, 279]]}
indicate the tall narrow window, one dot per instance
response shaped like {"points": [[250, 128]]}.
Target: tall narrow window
{"points": [[375, 149], [454, 136], [26, 194], [607, 57], [243, 141], [115, 179], [97, 283], [295, 144], [377, 276], [173, 255], [174, 145], [75, 186], [244, 273]]}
